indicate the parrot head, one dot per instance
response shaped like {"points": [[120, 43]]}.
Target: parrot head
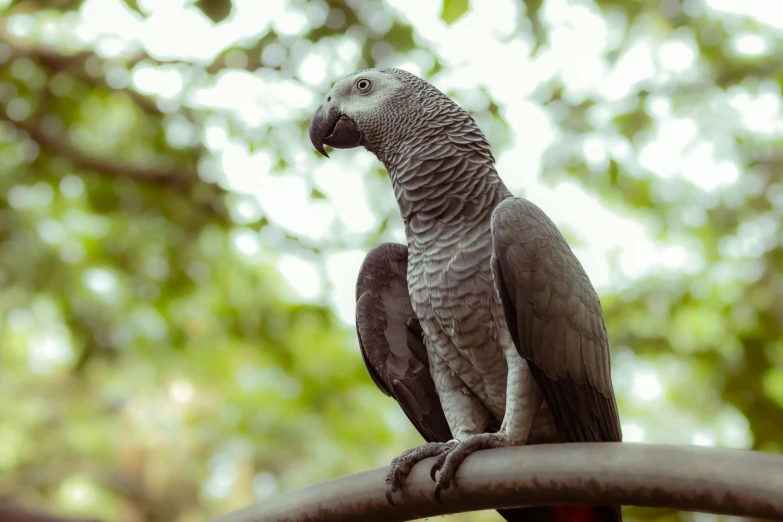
{"points": [[373, 108]]}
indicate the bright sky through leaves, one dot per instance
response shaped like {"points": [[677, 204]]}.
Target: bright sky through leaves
{"points": [[262, 100]]}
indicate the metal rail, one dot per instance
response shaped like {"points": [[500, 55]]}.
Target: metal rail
{"points": [[691, 478]]}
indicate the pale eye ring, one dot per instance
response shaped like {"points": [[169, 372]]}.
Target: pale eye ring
{"points": [[364, 85]]}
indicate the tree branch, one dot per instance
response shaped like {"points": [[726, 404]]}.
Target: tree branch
{"points": [[9, 513], [75, 65], [59, 145], [732, 482]]}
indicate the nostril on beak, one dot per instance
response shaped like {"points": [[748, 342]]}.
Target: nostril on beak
{"points": [[329, 99]]}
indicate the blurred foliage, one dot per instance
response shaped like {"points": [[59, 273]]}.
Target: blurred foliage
{"points": [[150, 370], [453, 9]]}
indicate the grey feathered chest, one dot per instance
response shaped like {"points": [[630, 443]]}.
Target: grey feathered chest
{"points": [[453, 296], [449, 270]]}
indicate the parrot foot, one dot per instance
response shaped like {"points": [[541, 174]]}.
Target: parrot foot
{"points": [[401, 466], [449, 461]]}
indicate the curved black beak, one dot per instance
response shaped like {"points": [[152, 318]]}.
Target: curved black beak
{"points": [[333, 129]]}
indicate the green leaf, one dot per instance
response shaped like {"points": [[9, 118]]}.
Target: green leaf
{"points": [[216, 10], [134, 4], [453, 9], [614, 172]]}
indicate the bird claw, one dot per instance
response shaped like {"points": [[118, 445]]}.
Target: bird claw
{"points": [[449, 461], [442, 457], [400, 472], [389, 492], [401, 466], [435, 468], [438, 489]]}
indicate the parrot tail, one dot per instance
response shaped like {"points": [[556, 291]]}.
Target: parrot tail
{"points": [[575, 514], [562, 514]]}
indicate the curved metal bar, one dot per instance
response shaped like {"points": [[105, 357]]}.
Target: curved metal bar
{"points": [[692, 478]]}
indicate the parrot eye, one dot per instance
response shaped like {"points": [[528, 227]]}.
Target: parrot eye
{"points": [[364, 85]]}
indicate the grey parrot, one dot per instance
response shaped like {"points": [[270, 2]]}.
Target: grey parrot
{"points": [[486, 328]]}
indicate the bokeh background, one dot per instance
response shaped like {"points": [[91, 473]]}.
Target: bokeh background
{"points": [[177, 263]]}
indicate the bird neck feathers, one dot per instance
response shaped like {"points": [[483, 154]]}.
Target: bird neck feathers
{"points": [[445, 179]]}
